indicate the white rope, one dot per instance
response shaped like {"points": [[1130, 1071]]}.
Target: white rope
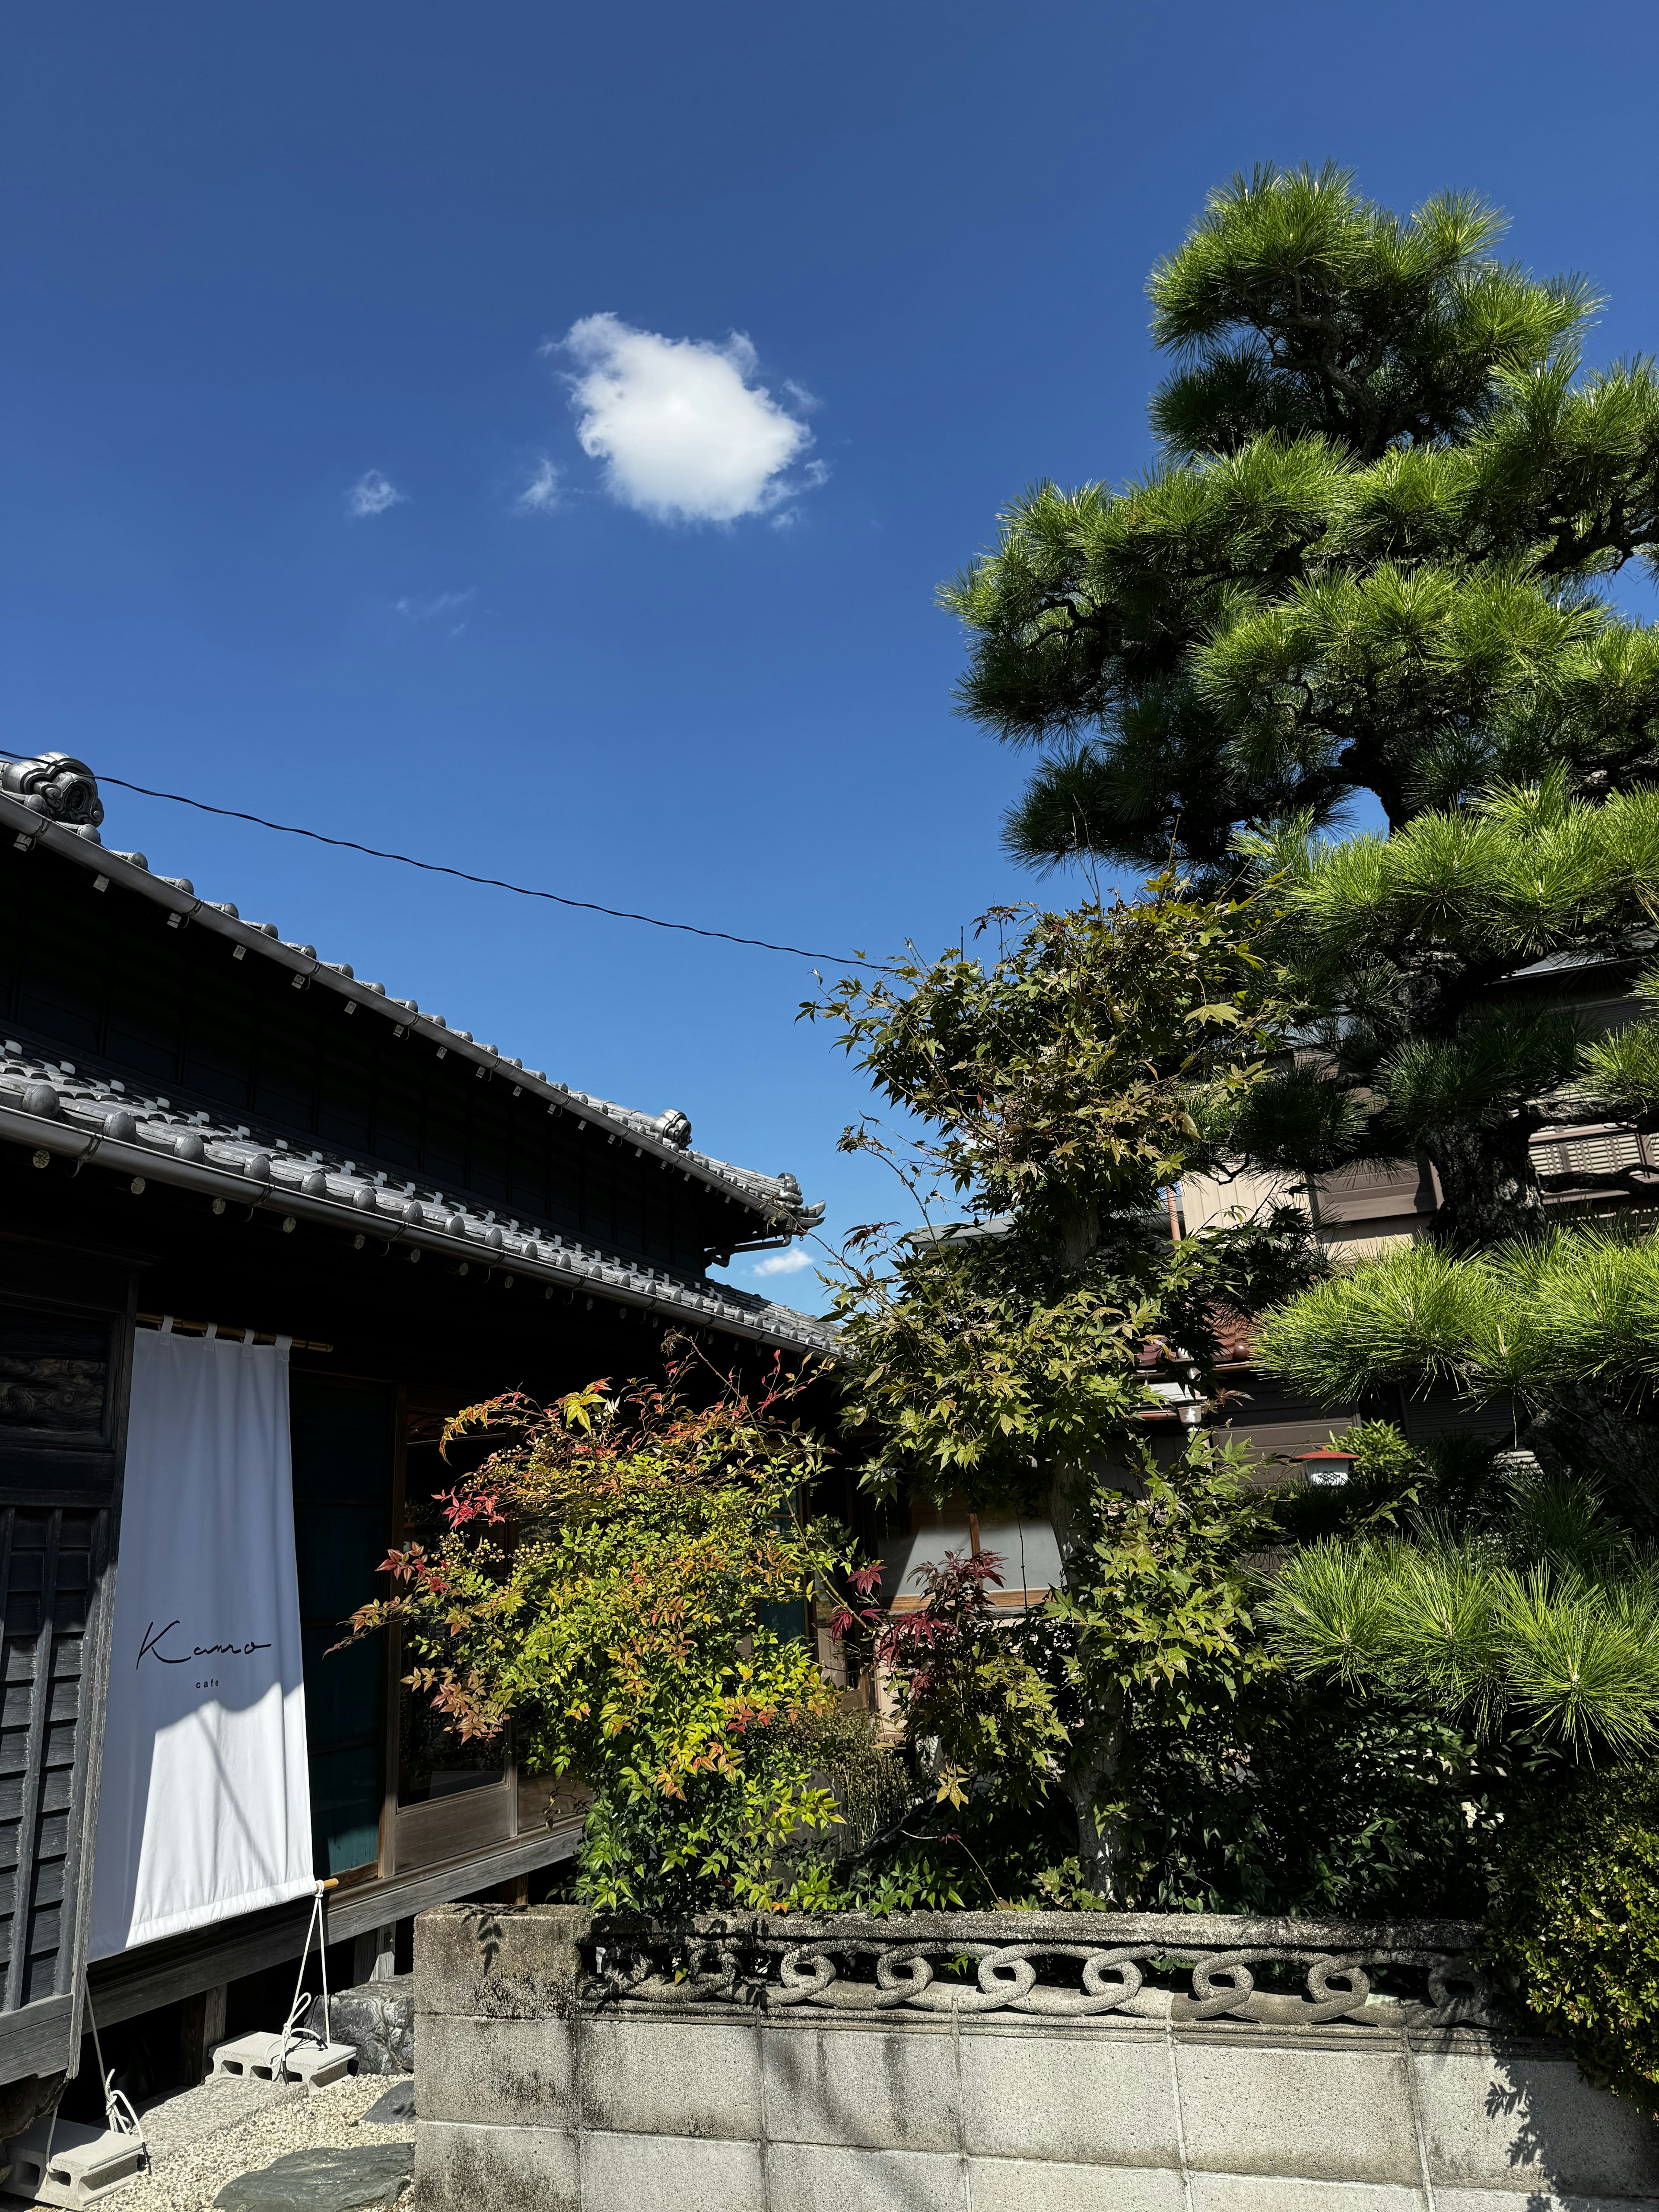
{"points": [[293, 2033], [118, 2114], [118, 2105]]}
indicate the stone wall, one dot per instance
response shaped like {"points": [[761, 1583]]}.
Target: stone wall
{"points": [[1062, 2064]]}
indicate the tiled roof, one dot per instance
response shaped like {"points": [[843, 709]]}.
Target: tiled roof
{"points": [[26, 815], [66, 1107], [70, 1108]]}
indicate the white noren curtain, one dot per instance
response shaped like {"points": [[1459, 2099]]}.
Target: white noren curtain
{"points": [[204, 1809]]}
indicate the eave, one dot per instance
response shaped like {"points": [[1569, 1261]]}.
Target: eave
{"points": [[387, 1218], [774, 1204]]}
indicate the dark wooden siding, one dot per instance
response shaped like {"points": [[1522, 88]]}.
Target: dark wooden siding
{"points": [[51, 1558], [65, 1334], [342, 1432], [100, 974]]}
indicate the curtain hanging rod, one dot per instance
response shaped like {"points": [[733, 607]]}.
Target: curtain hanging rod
{"points": [[184, 1328]]}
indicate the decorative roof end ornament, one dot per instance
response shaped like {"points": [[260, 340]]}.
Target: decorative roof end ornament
{"points": [[56, 785], [674, 1127]]}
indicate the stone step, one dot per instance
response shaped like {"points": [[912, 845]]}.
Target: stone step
{"points": [[369, 2179], [393, 2105]]}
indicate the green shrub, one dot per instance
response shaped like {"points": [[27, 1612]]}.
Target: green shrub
{"points": [[1304, 1801], [605, 1581], [871, 1783], [1573, 1929]]}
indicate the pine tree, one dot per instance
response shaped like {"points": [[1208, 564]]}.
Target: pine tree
{"points": [[1547, 1627], [1366, 561], [1430, 1028], [1508, 1593], [1371, 559], [1565, 1326]]}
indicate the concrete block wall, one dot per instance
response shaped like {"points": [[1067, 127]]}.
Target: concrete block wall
{"points": [[529, 2098]]}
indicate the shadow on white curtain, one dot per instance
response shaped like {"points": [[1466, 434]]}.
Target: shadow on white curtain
{"points": [[204, 1809]]}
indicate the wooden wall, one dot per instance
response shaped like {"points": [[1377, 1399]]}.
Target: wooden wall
{"points": [[65, 1350]]}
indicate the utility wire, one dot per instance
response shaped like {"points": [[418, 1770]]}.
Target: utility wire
{"points": [[491, 883]]}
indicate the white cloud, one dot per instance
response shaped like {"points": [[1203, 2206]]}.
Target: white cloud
{"points": [[544, 490], [372, 494], [686, 434], [434, 608], [784, 1263]]}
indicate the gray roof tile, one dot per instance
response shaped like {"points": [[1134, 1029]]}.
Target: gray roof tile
{"points": [[53, 801], [27, 809], [73, 1108]]}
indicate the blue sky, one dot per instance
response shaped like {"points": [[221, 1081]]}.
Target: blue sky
{"points": [[261, 266]]}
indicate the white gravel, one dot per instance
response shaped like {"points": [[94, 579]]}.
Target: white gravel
{"points": [[204, 2137]]}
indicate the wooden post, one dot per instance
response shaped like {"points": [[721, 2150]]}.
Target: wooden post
{"points": [[373, 1955], [202, 2026]]}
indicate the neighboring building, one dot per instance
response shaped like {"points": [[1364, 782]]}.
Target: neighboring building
{"points": [[200, 1121], [1598, 1169], [1354, 1214], [1584, 1168]]}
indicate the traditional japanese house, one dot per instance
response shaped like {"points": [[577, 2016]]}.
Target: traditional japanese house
{"points": [[203, 1127]]}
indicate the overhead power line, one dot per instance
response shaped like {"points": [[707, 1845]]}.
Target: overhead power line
{"points": [[466, 875]]}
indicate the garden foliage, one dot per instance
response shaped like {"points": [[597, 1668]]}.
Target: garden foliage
{"points": [[1368, 560], [1561, 1327], [603, 1581], [970, 1701], [1062, 1083], [1372, 559], [1572, 1928], [1425, 1028], [1552, 1615]]}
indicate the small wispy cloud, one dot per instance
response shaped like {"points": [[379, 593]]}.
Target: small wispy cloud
{"points": [[685, 431], [545, 491], [814, 474], [439, 605], [372, 494], [784, 1263]]}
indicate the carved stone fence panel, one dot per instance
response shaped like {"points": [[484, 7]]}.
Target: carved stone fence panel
{"points": [[1051, 1966], [992, 2062]]}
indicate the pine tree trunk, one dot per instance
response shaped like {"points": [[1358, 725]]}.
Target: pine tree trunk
{"points": [[1489, 1188]]}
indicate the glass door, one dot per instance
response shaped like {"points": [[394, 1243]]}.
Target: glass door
{"points": [[343, 1437]]}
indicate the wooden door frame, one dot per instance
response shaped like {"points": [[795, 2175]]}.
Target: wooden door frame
{"points": [[18, 2033], [392, 1731]]}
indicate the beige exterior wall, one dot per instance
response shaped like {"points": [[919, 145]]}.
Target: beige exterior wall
{"points": [[1356, 1214], [1594, 1166]]}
